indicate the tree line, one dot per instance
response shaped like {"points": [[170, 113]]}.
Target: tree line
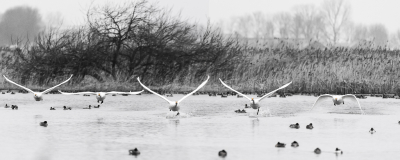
{"points": [[122, 42]]}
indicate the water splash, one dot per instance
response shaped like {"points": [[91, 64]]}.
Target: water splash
{"points": [[175, 115]]}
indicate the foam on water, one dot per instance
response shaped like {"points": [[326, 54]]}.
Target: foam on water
{"points": [[127, 122]]}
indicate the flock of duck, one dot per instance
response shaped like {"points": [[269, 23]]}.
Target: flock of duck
{"points": [[174, 106]]}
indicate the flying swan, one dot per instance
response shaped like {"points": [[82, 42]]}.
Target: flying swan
{"points": [[100, 96], [38, 96], [338, 99], [174, 106], [254, 102]]}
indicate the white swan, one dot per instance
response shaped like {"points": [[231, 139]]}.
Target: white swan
{"points": [[38, 96], [338, 99], [254, 102], [100, 96], [174, 106]]}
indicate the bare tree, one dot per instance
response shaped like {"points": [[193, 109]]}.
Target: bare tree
{"points": [[379, 34], [311, 20], [297, 26], [118, 22], [259, 23], [284, 22], [336, 14], [360, 33], [22, 23], [244, 25]]}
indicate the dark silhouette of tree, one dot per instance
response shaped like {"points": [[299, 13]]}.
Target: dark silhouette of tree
{"points": [[22, 23]]}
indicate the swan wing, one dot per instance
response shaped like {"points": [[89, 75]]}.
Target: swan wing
{"points": [[199, 87], [77, 93], [353, 98], [148, 89], [321, 98], [48, 90], [270, 93], [27, 89], [234, 90]]}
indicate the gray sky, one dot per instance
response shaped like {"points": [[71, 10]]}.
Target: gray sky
{"points": [[363, 11]]}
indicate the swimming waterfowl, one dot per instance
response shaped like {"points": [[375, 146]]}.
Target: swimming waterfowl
{"points": [[88, 107], [69, 108], [222, 153], [295, 144], [52, 108], [7, 106], [372, 131], [38, 96], [14, 107], [134, 152], [338, 99], [100, 96], [280, 145], [98, 106], [245, 106], [310, 126], [240, 111], [254, 103], [317, 151], [174, 106], [239, 96], [44, 124], [338, 151], [297, 126]]}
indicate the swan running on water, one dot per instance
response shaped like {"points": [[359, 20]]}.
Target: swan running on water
{"points": [[174, 106], [100, 96], [254, 102], [38, 96], [338, 100]]}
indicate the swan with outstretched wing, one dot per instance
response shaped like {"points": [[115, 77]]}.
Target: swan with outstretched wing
{"points": [[38, 96], [254, 103], [174, 106], [338, 100], [100, 96]]}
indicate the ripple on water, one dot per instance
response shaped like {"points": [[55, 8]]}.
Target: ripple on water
{"points": [[123, 123]]}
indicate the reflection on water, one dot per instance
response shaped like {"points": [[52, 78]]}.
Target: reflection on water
{"points": [[127, 122]]}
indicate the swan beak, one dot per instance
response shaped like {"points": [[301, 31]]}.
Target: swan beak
{"points": [[99, 94], [176, 102]]}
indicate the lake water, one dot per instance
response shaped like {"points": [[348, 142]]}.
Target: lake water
{"points": [[126, 122]]}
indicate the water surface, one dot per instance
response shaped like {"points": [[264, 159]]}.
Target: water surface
{"points": [[126, 122]]}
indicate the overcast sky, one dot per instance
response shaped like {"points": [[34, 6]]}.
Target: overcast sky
{"points": [[363, 11]]}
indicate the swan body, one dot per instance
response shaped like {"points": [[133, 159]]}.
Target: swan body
{"points": [[100, 96], [174, 105], [254, 103], [38, 96], [338, 99]]}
